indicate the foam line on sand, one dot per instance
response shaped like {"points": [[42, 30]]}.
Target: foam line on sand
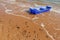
{"points": [[55, 10]]}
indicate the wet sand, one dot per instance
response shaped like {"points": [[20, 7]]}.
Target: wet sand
{"points": [[18, 24]]}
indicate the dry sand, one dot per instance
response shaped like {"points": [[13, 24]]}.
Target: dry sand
{"points": [[17, 24]]}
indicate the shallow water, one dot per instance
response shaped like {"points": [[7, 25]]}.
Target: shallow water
{"points": [[51, 1]]}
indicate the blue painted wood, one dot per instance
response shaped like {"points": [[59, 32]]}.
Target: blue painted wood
{"points": [[41, 10]]}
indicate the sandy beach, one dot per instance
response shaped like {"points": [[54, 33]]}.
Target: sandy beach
{"points": [[17, 24]]}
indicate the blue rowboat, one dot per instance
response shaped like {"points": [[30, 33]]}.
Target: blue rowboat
{"points": [[39, 10]]}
